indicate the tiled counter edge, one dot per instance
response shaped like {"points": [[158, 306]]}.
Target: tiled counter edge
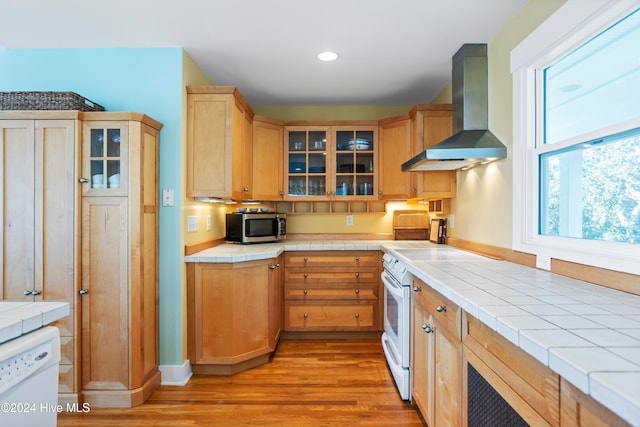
{"points": [[587, 334]]}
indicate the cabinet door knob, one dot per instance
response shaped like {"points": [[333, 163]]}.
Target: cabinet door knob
{"points": [[306, 315], [277, 264], [27, 292], [282, 193], [83, 180], [357, 291], [245, 189], [272, 267], [357, 258], [441, 308], [83, 291], [35, 292], [305, 259], [305, 275], [305, 291], [416, 289], [427, 328], [357, 275], [357, 316]]}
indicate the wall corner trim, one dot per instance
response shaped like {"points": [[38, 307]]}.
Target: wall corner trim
{"points": [[176, 374]]}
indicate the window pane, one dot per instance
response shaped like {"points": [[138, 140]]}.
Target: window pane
{"points": [[592, 191], [596, 85]]}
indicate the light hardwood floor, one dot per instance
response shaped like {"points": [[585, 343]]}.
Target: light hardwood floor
{"points": [[308, 383]]}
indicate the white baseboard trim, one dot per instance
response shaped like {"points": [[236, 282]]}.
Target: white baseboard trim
{"points": [[175, 374]]}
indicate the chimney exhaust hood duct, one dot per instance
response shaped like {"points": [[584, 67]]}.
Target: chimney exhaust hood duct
{"points": [[472, 143]]}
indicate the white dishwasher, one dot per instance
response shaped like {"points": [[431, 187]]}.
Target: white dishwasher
{"points": [[29, 368]]}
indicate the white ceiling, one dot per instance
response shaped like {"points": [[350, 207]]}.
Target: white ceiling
{"points": [[391, 52]]}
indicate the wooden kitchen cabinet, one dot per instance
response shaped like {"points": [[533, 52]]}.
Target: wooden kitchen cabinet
{"points": [[39, 170], [395, 149], [276, 301], [119, 281], [529, 387], [331, 291], [39, 154], [431, 124], [234, 314], [268, 177], [331, 161], [436, 360], [219, 143], [580, 410]]}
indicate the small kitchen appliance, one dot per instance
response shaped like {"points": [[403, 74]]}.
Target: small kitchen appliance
{"points": [[256, 227]]}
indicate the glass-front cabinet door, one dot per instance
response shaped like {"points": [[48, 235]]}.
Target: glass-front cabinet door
{"points": [[104, 145], [330, 163], [306, 163], [355, 162]]}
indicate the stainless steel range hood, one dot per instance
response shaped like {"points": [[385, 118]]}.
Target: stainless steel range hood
{"points": [[472, 142]]}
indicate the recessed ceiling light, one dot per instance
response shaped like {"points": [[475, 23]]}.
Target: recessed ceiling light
{"points": [[327, 56]]}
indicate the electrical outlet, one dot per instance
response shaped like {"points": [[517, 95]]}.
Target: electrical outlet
{"points": [[451, 221], [349, 220], [543, 262], [192, 224], [208, 222]]}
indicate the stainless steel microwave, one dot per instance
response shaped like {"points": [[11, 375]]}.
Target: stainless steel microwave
{"points": [[256, 227]]}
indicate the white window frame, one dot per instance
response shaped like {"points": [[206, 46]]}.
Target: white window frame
{"points": [[571, 25]]}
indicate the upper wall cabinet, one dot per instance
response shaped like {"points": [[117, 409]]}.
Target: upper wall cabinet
{"points": [[267, 159], [219, 138], [430, 125], [331, 161], [395, 149]]}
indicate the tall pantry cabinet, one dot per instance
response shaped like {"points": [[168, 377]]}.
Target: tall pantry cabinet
{"points": [[79, 212], [39, 251]]}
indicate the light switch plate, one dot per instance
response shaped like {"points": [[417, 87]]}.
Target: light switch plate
{"points": [[167, 197], [208, 222], [349, 220], [192, 224]]}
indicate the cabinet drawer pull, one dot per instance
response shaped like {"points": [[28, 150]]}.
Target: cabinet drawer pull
{"points": [[305, 275], [441, 308], [305, 259], [427, 328], [83, 180], [357, 275], [417, 289], [357, 258], [83, 291], [357, 316], [306, 315], [357, 291], [305, 291]]}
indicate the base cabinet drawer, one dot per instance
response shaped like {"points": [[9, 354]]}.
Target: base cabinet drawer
{"points": [[338, 316], [332, 258], [331, 291]]}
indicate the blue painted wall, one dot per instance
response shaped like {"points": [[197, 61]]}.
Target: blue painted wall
{"points": [[143, 80]]}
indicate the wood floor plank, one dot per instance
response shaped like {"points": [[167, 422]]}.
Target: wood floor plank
{"points": [[308, 383]]}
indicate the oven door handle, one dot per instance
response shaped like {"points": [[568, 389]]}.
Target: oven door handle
{"points": [[391, 285]]}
